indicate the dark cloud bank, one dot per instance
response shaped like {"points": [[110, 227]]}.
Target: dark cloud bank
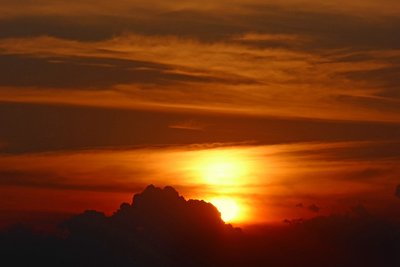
{"points": [[88, 73], [161, 228], [33, 128]]}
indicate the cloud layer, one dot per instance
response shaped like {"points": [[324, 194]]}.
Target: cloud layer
{"points": [[98, 96], [294, 59]]}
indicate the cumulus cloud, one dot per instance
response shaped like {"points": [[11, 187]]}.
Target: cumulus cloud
{"points": [[158, 227], [162, 228]]}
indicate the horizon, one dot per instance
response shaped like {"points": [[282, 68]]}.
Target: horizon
{"points": [[278, 113]]}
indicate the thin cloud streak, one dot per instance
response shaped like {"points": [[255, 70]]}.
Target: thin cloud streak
{"points": [[284, 56], [287, 79], [301, 96], [277, 178]]}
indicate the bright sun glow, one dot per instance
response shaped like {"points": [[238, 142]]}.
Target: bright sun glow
{"points": [[228, 207], [222, 168], [224, 173]]}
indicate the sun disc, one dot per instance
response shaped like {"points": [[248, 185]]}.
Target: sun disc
{"points": [[222, 169], [228, 208]]}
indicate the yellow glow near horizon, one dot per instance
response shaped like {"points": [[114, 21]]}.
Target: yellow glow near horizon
{"points": [[225, 174], [228, 207], [222, 168]]}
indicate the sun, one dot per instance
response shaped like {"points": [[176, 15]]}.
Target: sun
{"points": [[222, 168], [224, 175], [228, 207]]}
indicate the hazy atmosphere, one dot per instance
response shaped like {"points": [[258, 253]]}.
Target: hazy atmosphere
{"points": [[281, 114]]}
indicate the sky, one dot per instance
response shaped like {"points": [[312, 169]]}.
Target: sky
{"points": [[289, 108]]}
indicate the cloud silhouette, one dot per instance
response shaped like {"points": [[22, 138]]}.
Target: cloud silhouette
{"points": [[161, 228], [158, 227]]}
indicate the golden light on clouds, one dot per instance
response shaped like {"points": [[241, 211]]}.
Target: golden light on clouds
{"points": [[230, 68], [226, 173], [275, 112], [230, 210], [248, 184]]}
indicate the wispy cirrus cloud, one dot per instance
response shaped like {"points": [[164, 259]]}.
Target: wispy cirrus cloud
{"points": [[187, 125], [99, 98], [259, 58], [86, 73], [123, 67]]}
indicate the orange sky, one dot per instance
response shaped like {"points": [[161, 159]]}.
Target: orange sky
{"points": [[268, 182], [292, 102]]}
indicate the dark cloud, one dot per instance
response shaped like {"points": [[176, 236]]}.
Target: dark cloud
{"points": [[387, 79], [387, 76], [33, 128], [361, 151], [73, 28], [161, 228], [354, 57], [38, 128], [369, 173], [327, 29], [40, 220], [87, 72], [313, 208], [377, 103], [186, 23], [54, 181]]}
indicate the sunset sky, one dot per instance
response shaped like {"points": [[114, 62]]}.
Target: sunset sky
{"points": [[283, 109]]}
